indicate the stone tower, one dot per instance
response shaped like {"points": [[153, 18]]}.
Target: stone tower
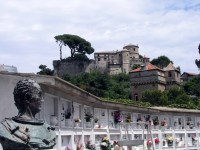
{"points": [[134, 50], [125, 61]]}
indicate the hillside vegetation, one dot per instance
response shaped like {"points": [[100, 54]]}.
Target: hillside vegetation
{"points": [[117, 88]]}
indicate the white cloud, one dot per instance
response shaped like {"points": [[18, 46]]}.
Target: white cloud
{"points": [[167, 27]]}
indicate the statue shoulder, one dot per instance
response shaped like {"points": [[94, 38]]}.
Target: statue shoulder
{"points": [[6, 126]]}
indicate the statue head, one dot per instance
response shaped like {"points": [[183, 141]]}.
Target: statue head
{"points": [[28, 94]]}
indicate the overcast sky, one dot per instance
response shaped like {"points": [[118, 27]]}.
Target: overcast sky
{"points": [[159, 27]]}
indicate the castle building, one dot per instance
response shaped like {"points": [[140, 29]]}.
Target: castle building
{"points": [[119, 61], [186, 76], [111, 62], [150, 77]]}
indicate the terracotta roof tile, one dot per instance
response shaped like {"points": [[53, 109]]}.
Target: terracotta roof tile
{"points": [[149, 67]]}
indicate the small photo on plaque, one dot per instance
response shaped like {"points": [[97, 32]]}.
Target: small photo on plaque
{"points": [[102, 112]]}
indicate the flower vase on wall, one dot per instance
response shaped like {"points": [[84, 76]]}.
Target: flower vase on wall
{"points": [[156, 126], [164, 142], [156, 145], [76, 124], [117, 125], [96, 125], [194, 142], [170, 143], [104, 148], [53, 120], [88, 124], [68, 122]]}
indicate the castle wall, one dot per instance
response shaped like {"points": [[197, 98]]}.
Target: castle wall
{"points": [[114, 69], [147, 76], [73, 68]]}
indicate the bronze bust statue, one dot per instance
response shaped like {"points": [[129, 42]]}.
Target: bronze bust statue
{"points": [[24, 131]]}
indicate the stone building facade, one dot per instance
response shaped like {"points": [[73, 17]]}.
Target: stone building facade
{"points": [[186, 76], [119, 61], [150, 77]]}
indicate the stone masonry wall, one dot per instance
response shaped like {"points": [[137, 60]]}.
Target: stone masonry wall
{"points": [[73, 68]]}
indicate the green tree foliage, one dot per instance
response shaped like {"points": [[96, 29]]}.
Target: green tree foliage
{"points": [[77, 57], [135, 66], [197, 62], [192, 87], [76, 44], [140, 56], [174, 97], [155, 97], [102, 85], [177, 95], [161, 61], [44, 70], [179, 68]]}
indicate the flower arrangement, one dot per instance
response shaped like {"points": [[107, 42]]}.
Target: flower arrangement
{"points": [[183, 144], [96, 120], [128, 118], [67, 113], [118, 117], [169, 138], [177, 140], [139, 120], [88, 145], [116, 145], [68, 148], [77, 120], [157, 141], [88, 117], [155, 121], [194, 138], [150, 122], [105, 143], [79, 146], [149, 143], [163, 123]]}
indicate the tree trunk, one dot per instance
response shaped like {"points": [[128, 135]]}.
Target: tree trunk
{"points": [[60, 54]]}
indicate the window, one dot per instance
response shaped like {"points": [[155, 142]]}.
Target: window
{"points": [[99, 59], [136, 97], [104, 59], [169, 74], [134, 49]]}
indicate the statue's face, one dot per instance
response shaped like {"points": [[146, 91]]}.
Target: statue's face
{"points": [[35, 104]]}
